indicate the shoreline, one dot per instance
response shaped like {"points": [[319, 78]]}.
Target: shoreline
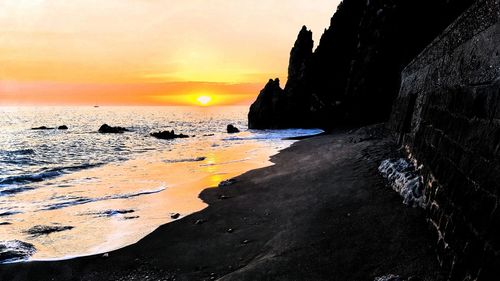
{"points": [[176, 176], [298, 219]]}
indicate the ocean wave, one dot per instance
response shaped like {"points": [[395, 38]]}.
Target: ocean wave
{"points": [[20, 179], [13, 189], [225, 163], [275, 134], [73, 201], [110, 213], [405, 179], [39, 230], [9, 213], [44, 175], [197, 159], [19, 157], [18, 152], [19, 162], [15, 251], [69, 203]]}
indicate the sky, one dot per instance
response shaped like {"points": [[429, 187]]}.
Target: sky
{"points": [[148, 52]]}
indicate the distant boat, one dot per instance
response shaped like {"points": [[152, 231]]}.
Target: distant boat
{"points": [[96, 106]]}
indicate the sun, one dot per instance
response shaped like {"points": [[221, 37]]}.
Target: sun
{"points": [[204, 100]]}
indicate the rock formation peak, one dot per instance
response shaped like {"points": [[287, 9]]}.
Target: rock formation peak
{"points": [[354, 73]]}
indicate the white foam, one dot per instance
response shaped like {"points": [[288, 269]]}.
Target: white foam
{"points": [[275, 134], [405, 179], [15, 251]]}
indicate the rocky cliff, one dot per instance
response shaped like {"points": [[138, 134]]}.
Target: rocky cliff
{"points": [[354, 73], [431, 68], [296, 95], [447, 115], [274, 106]]}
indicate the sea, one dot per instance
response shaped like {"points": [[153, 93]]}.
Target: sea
{"points": [[77, 192]]}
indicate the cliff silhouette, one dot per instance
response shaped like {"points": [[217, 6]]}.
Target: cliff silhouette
{"points": [[354, 74]]}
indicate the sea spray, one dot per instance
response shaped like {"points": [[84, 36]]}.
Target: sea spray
{"points": [[404, 178], [73, 201], [15, 251]]}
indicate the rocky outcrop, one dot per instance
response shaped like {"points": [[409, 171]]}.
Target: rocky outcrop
{"points": [[231, 129], [106, 129], [297, 98], [42, 128], [268, 110], [354, 74], [447, 115], [278, 108], [168, 135]]}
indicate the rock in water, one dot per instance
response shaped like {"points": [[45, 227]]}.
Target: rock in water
{"points": [[106, 129], [63, 127], [231, 129], [168, 135], [42, 128], [267, 110]]}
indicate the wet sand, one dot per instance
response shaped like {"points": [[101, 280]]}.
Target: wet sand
{"points": [[173, 186], [322, 212]]}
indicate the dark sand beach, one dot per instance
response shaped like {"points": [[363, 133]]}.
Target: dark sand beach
{"points": [[322, 212]]}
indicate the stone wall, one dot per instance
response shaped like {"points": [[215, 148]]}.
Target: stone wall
{"points": [[447, 115]]}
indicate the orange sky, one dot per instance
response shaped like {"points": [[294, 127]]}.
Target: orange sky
{"points": [[148, 52]]}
